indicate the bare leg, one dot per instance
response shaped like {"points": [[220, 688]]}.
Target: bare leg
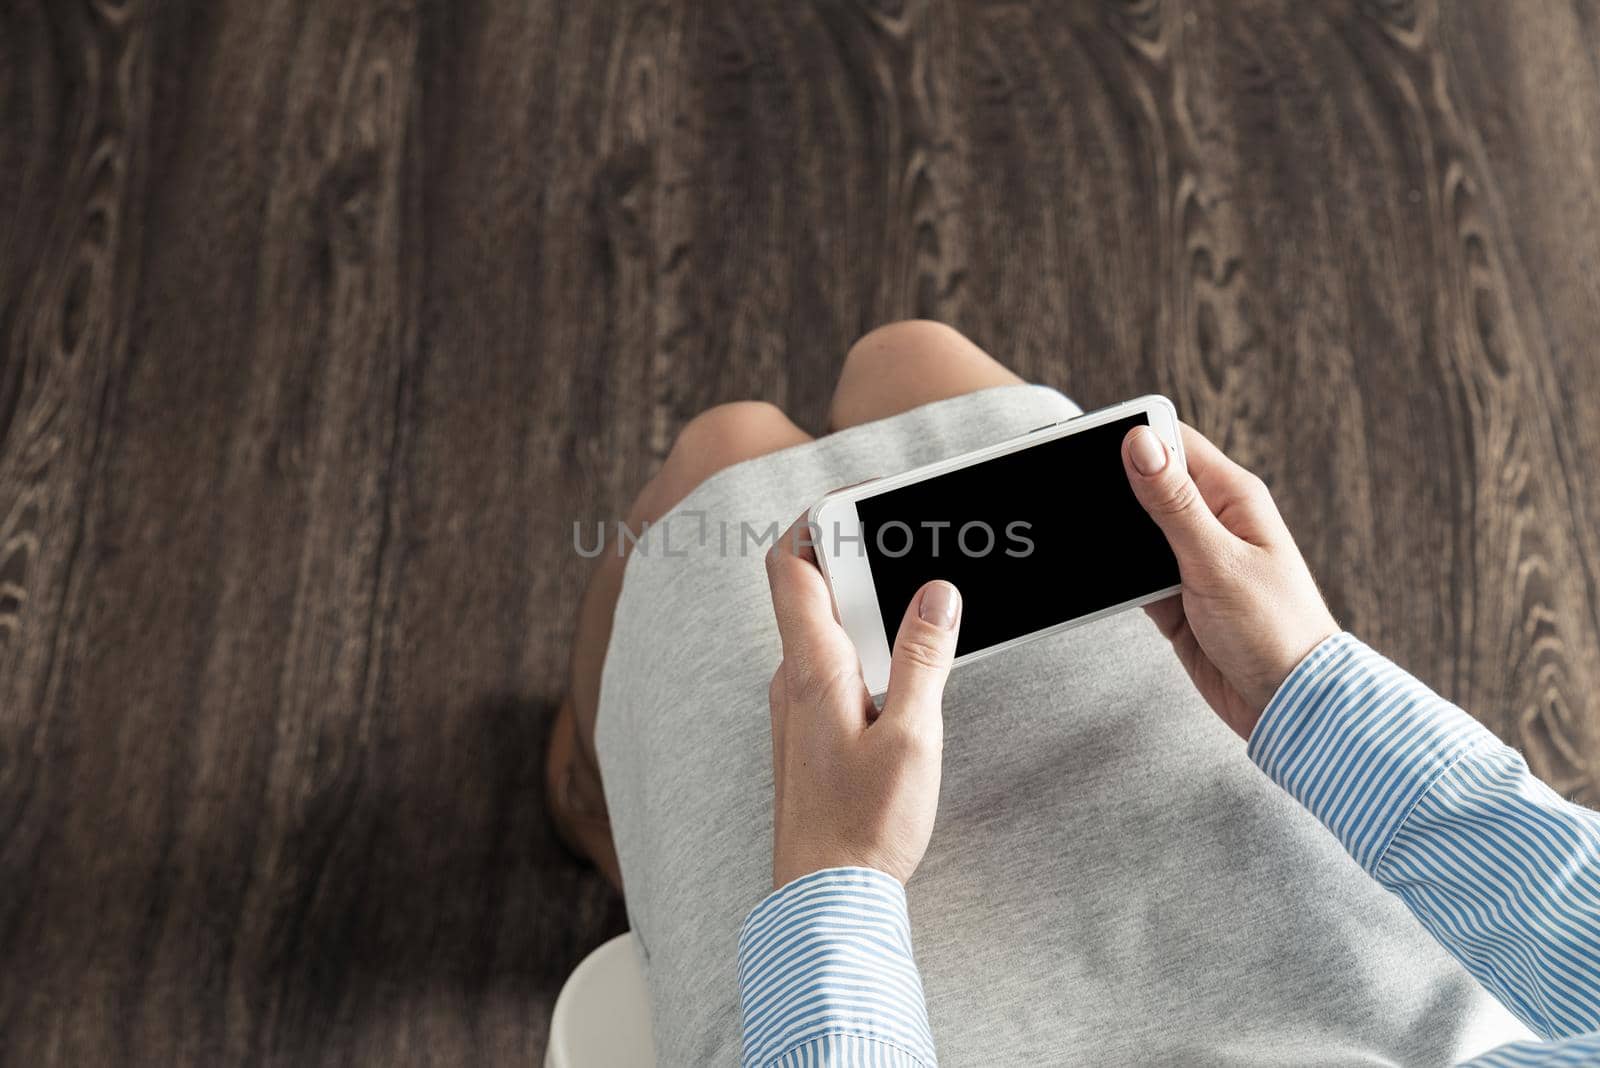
{"points": [[890, 370], [903, 365], [712, 440]]}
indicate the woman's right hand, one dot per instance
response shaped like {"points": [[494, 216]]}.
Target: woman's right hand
{"points": [[1249, 610]]}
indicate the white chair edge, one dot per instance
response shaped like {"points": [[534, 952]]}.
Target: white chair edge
{"points": [[602, 1015]]}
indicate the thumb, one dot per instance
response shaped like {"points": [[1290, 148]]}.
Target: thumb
{"points": [[923, 652], [1162, 484]]}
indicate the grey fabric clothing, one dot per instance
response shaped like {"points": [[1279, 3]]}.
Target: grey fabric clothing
{"points": [[1110, 881]]}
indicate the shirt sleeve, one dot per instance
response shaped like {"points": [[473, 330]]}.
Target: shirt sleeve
{"points": [[1584, 1050], [827, 977], [1501, 870]]}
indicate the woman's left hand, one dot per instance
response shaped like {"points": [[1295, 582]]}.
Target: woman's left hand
{"points": [[855, 788]]}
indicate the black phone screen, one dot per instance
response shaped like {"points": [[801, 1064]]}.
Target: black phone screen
{"points": [[1031, 539]]}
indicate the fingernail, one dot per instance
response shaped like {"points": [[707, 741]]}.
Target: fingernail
{"points": [[940, 605], [1148, 451]]}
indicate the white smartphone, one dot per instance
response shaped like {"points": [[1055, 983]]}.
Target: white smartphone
{"points": [[1039, 533]]}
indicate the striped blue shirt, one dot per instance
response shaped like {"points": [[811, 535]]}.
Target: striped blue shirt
{"points": [[1493, 863]]}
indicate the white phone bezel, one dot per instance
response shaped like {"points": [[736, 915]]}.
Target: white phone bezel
{"points": [[849, 576]]}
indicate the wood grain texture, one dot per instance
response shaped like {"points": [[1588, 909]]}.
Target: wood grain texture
{"points": [[321, 323]]}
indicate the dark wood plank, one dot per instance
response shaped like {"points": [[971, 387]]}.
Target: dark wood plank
{"points": [[321, 324], [79, 93], [1537, 139]]}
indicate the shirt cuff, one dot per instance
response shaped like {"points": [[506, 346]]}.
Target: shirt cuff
{"points": [[829, 955], [1358, 741]]}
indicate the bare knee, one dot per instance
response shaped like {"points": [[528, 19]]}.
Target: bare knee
{"points": [[902, 345], [728, 433], [900, 365], [718, 437]]}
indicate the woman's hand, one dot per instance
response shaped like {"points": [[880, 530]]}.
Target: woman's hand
{"points": [[855, 788], [1249, 610]]}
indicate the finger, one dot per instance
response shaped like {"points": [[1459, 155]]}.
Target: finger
{"points": [[1234, 494], [1199, 667], [800, 598], [1168, 493], [1167, 614], [817, 653], [1215, 473], [924, 649]]}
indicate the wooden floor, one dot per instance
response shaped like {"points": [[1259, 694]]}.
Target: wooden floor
{"points": [[323, 322]]}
